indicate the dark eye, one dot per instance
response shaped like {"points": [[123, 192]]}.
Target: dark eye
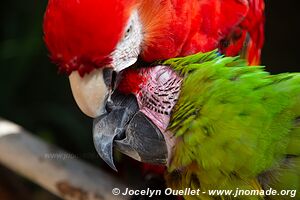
{"points": [[128, 31]]}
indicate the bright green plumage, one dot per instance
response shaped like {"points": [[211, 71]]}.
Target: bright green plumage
{"points": [[236, 127]]}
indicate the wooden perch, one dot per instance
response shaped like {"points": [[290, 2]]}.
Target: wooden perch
{"points": [[70, 179]]}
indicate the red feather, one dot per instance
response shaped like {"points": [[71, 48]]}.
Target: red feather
{"points": [[187, 27], [131, 81], [248, 35], [81, 34]]}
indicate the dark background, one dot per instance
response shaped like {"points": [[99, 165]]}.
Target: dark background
{"points": [[33, 95]]}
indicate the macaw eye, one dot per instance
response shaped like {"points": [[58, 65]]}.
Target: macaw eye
{"points": [[128, 31]]}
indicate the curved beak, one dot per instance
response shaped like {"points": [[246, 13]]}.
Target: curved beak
{"points": [[128, 130], [118, 123]]}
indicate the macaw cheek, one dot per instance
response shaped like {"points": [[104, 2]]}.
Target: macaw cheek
{"points": [[90, 92]]}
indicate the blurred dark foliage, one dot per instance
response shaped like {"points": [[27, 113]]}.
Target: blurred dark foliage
{"points": [[32, 93], [35, 96], [282, 45]]}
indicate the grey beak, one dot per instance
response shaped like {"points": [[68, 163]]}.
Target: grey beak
{"points": [[144, 141], [128, 130]]}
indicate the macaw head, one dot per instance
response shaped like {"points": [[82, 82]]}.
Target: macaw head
{"points": [[94, 42], [86, 37]]}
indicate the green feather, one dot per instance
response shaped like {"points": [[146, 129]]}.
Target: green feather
{"points": [[235, 126]]}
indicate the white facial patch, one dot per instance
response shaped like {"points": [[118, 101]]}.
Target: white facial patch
{"points": [[129, 48]]}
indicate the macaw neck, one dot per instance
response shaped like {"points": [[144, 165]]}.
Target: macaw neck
{"points": [[180, 28]]}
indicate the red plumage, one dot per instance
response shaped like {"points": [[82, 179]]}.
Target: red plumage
{"points": [[187, 27], [130, 82], [81, 34], [248, 35], [231, 25]]}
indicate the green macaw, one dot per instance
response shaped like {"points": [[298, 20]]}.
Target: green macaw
{"points": [[213, 121]]}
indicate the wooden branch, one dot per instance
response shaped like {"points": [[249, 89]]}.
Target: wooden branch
{"points": [[69, 179]]}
